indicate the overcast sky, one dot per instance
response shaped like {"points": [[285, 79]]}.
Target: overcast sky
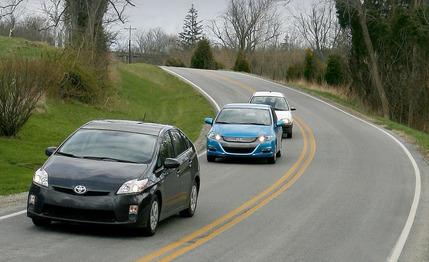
{"points": [[169, 14]]}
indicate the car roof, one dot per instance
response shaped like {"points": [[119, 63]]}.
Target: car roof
{"points": [[127, 126], [269, 93], [247, 105]]}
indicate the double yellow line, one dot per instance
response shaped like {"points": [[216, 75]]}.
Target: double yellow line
{"points": [[208, 232]]}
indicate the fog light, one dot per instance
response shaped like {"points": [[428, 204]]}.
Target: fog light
{"points": [[32, 200], [134, 210], [212, 148], [266, 150]]}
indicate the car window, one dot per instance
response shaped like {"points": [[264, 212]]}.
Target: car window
{"points": [[188, 142], [110, 145], [165, 150], [179, 143], [249, 116], [278, 103]]}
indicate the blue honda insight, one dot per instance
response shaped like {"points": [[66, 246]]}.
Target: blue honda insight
{"points": [[245, 130]]}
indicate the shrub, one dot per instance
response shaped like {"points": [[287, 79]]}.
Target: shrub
{"points": [[83, 81], [334, 71], [295, 71], [22, 83], [241, 63], [203, 56], [309, 65], [173, 61]]}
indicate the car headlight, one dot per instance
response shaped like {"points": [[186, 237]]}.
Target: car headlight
{"points": [[265, 138], [41, 177], [133, 187], [214, 136], [286, 121]]}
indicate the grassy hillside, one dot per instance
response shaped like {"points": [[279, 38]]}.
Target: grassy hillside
{"points": [[144, 92], [22, 47]]}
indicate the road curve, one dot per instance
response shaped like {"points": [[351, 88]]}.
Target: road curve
{"points": [[347, 198]]}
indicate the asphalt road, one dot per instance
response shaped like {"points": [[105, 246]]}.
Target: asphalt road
{"points": [[342, 191]]}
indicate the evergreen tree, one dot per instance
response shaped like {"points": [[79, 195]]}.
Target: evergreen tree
{"points": [[192, 29], [203, 56], [241, 63]]}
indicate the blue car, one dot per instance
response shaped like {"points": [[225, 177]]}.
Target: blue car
{"points": [[245, 130]]}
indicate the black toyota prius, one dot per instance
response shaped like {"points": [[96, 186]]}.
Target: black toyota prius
{"points": [[117, 172]]}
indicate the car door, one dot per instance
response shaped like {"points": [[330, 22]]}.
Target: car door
{"points": [[169, 178], [277, 129], [193, 167], [182, 154]]}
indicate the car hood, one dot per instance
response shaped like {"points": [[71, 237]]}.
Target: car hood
{"points": [[231, 130], [284, 114], [68, 172]]}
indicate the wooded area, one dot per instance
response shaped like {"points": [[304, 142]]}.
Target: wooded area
{"points": [[373, 51]]}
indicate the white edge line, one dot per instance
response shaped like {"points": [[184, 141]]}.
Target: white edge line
{"points": [[13, 215], [215, 104], [400, 243], [199, 89]]}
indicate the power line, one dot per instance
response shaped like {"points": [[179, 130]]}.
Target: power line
{"points": [[129, 42]]}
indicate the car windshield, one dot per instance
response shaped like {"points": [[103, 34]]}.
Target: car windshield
{"points": [[110, 145], [278, 103], [248, 116]]}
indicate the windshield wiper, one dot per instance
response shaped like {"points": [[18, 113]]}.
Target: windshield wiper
{"points": [[220, 122], [258, 124], [66, 154], [104, 158]]}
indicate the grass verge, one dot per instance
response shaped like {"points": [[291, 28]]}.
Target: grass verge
{"points": [[412, 135], [145, 93]]}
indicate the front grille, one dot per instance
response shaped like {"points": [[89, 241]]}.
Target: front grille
{"points": [[240, 139], [88, 193], [238, 150], [78, 214]]}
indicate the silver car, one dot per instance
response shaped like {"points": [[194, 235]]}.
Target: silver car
{"points": [[280, 104]]}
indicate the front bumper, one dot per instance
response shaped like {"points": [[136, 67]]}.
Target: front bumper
{"points": [[110, 209], [252, 150], [287, 128]]}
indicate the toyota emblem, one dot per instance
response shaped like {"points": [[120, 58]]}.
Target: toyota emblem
{"points": [[80, 190]]}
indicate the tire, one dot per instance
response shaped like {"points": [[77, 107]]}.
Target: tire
{"points": [[279, 154], [211, 158], [272, 159], [289, 135], [193, 200], [153, 217], [41, 222]]}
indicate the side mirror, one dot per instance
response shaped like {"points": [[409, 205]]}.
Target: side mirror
{"points": [[280, 123], [50, 150], [292, 109], [208, 120], [171, 163]]}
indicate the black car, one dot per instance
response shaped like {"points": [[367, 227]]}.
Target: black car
{"points": [[117, 172]]}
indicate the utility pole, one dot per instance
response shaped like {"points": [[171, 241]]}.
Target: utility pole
{"points": [[129, 42]]}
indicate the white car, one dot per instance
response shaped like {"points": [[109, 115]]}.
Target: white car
{"points": [[280, 104]]}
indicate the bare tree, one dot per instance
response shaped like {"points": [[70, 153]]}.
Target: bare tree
{"points": [[54, 10], [154, 41], [319, 26], [8, 9], [248, 24]]}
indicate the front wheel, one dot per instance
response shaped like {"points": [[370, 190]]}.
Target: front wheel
{"points": [[210, 158], [153, 217], [272, 159], [192, 205]]}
